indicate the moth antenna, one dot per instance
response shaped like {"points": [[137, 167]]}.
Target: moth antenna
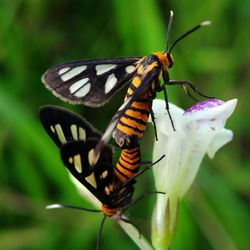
{"points": [[100, 232], [169, 29], [55, 206], [202, 24]]}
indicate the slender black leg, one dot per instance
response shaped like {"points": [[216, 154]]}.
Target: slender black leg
{"points": [[141, 198], [191, 85], [166, 80], [167, 106], [153, 121]]}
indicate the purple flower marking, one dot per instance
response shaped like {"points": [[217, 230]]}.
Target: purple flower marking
{"points": [[210, 103]]}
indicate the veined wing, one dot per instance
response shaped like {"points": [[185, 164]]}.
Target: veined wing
{"points": [[63, 125], [90, 82], [96, 175]]}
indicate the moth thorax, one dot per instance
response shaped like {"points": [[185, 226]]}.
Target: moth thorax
{"points": [[166, 59], [111, 212]]}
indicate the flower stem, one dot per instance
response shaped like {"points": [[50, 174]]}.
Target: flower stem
{"points": [[164, 222]]}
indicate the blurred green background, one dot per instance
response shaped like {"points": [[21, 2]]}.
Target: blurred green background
{"points": [[36, 34]]}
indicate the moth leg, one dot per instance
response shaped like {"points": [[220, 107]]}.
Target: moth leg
{"points": [[190, 84], [153, 121], [166, 81], [141, 198]]}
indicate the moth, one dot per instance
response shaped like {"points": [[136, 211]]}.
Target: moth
{"points": [[112, 185], [93, 82]]}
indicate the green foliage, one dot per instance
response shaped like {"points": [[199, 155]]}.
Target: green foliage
{"points": [[35, 35]]}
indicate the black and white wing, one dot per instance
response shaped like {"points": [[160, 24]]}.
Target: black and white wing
{"points": [[96, 174], [63, 125], [90, 82]]}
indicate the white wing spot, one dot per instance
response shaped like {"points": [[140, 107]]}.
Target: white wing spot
{"points": [[77, 85], [52, 129], [110, 83], [82, 134], [91, 180], [73, 72], [73, 129], [104, 174], [60, 133], [107, 190], [70, 160], [103, 68], [77, 163], [129, 69], [83, 91], [63, 70], [92, 158]]}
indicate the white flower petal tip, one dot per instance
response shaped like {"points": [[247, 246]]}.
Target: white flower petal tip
{"points": [[211, 109], [219, 140]]}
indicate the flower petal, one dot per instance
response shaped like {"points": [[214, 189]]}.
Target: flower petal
{"points": [[199, 130], [215, 114], [162, 120], [219, 140]]}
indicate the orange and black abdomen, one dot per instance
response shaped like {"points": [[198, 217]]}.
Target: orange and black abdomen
{"points": [[128, 164], [134, 120]]}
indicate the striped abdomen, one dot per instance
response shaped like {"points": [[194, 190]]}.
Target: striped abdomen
{"points": [[128, 164], [134, 120]]}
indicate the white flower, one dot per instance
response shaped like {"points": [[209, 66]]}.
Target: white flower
{"points": [[198, 131]]}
